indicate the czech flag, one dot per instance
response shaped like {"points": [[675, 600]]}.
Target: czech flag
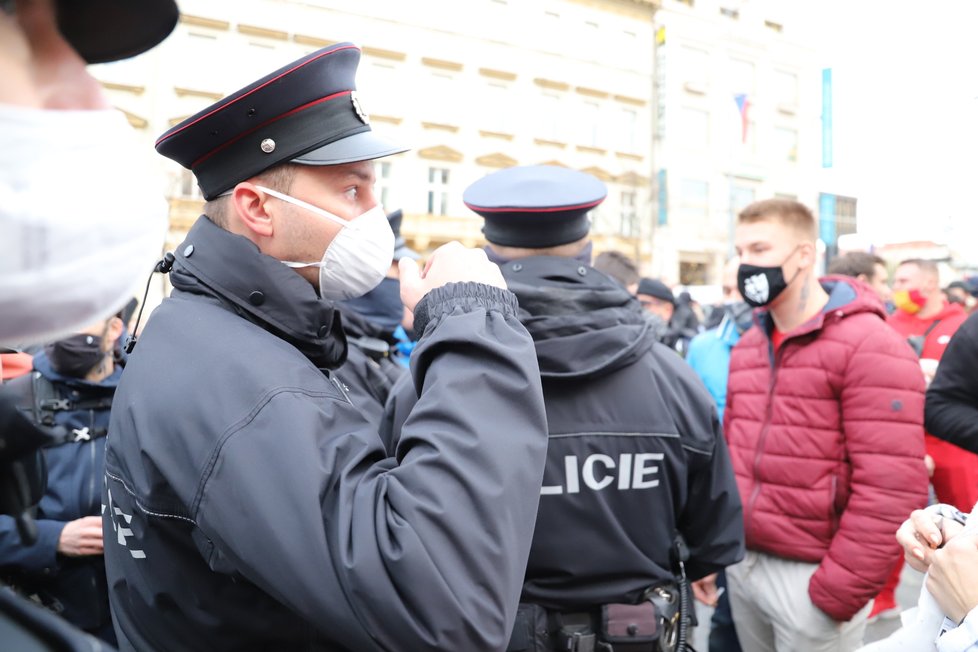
{"points": [[742, 105]]}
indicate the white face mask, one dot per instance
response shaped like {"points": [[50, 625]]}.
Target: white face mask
{"points": [[357, 259], [82, 217]]}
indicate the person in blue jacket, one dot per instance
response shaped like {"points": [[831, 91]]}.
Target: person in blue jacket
{"points": [[70, 390]]}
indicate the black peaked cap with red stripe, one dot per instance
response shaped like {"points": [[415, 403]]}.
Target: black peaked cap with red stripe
{"points": [[307, 112], [535, 206]]}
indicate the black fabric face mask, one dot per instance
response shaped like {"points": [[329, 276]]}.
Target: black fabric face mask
{"points": [[759, 285], [75, 356]]}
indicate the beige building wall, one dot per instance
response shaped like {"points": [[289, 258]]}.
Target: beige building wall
{"points": [[470, 85]]}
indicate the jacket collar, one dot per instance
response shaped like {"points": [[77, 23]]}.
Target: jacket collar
{"points": [[259, 288]]}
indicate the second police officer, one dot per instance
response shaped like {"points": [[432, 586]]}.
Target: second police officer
{"points": [[636, 459]]}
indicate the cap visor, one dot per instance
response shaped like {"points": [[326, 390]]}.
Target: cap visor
{"points": [[364, 146]]}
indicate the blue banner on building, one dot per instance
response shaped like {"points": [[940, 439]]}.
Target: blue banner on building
{"points": [[663, 197], [826, 219], [827, 118]]}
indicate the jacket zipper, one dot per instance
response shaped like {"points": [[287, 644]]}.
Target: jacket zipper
{"points": [[774, 357], [91, 474]]}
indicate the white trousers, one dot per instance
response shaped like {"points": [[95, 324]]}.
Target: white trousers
{"points": [[773, 613]]}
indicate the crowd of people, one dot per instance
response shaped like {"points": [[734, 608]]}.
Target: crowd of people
{"points": [[325, 440]]}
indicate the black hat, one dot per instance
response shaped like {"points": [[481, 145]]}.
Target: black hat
{"points": [[653, 287], [306, 112], [535, 206], [108, 30], [401, 250]]}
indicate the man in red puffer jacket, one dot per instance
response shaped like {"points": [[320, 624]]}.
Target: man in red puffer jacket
{"points": [[824, 420]]}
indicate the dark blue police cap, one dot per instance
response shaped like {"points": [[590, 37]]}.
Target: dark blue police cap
{"points": [[306, 112], [535, 206]]}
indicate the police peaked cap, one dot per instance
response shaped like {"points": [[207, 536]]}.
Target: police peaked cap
{"points": [[306, 112], [109, 30], [535, 206]]}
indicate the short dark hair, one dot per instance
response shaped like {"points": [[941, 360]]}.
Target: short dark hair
{"points": [[922, 264], [855, 263], [278, 177], [618, 266]]}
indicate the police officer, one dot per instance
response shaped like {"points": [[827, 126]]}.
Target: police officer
{"points": [[635, 457], [249, 504]]}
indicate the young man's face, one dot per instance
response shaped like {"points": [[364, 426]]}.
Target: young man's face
{"points": [[911, 277], [881, 282], [766, 244]]}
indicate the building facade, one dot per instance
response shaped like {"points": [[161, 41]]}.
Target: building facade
{"points": [[471, 86], [737, 119]]}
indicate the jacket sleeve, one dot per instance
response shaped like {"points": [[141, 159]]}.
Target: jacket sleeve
{"points": [[882, 399], [951, 412], [39, 557], [424, 552]]}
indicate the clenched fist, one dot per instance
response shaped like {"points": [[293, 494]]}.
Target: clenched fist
{"points": [[451, 263]]}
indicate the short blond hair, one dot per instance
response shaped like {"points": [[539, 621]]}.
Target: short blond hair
{"points": [[790, 213]]}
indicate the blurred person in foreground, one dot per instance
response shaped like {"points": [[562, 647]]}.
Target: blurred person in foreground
{"points": [[250, 504], [68, 262], [824, 420], [71, 386]]}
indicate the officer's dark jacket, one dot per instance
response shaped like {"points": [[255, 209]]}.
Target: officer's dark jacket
{"points": [[75, 586], [251, 506], [635, 449], [369, 371]]}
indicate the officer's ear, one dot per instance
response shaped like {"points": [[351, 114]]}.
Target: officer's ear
{"points": [[113, 330], [252, 208]]}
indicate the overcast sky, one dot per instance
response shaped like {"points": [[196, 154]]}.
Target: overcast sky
{"points": [[906, 113]]}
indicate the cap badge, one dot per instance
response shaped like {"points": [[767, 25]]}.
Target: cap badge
{"points": [[358, 108], [267, 145]]}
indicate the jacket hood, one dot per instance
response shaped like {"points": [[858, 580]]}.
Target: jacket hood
{"points": [[583, 323], [230, 268], [42, 364]]}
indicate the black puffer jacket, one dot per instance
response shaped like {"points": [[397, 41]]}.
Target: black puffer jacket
{"points": [[951, 410]]}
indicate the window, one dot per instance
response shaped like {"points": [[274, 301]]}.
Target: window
{"points": [[590, 124], [441, 102], [628, 225], [695, 128], [845, 215], [695, 199], [497, 108], [382, 170], [697, 65], [741, 76], [740, 198], [785, 144], [627, 124], [438, 191], [187, 186], [550, 118], [786, 88]]}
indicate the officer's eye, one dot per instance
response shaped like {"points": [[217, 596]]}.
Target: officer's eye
{"points": [[352, 193]]}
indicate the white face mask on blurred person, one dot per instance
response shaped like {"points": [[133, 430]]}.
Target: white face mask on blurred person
{"points": [[82, 220], [357, 259]]}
